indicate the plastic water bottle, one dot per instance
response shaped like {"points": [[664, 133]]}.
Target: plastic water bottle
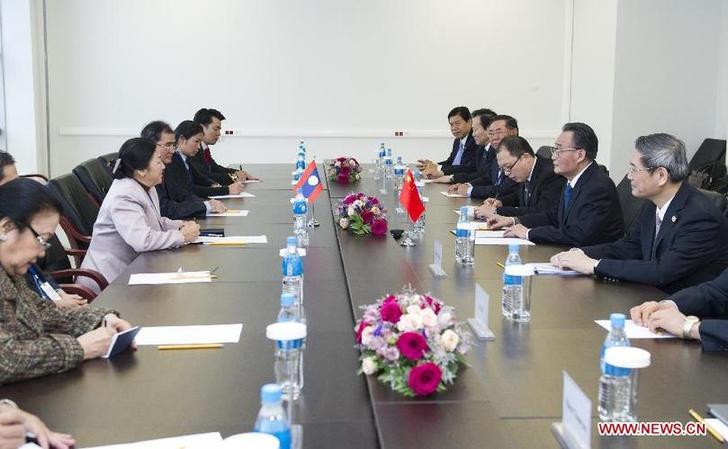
{"points": [[289, 338], [288, 309], [293, 272], [615, 337], [388, 164], [399, 173], [380, 161], [618, 383], [512, 285], [300, 212], [272, 418], [464, 239]]}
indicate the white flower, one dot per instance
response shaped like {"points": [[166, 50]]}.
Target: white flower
{"points": [[366, 335], [369, 365], [429, 319], [414, 310], [344, 223], [450, 340], [351, 211], [409, 323], [445, 319], [359, 203]]}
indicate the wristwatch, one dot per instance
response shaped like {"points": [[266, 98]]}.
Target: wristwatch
{"points": [[688, 325]]}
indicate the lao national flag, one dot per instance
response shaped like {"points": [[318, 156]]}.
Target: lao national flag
{"points": [[410, 197], [310, 183]]}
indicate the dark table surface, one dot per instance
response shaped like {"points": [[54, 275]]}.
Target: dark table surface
{"points": [[507, 397]]}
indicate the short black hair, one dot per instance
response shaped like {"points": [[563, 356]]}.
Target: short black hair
{"points": [[511, 123], [22, 199], [134, 154], [462, 111], [584, 138], [5, 160], [187, 129], [516, 146], [154, 130], [204, 116], [485, 116]]}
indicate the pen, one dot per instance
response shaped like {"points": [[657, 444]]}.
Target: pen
{"points": [[501, 265], [712, 431], [203, 346]]}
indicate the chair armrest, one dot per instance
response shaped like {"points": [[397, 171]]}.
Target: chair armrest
{"points": [[82, 272], [80, 290]]}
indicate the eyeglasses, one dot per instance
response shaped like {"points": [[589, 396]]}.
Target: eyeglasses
{"points": [[497, 132], [632, 169], [507, 170], [42, 241], [559, 151], [166, 146]]}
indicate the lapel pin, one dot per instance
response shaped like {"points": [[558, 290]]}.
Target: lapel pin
{"points": [[674, 219]]}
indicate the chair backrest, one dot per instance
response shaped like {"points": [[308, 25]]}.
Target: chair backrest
{"points": [[42, 179], [108, 160], [719, 199], [710, 150], [95, 178], [631, 206], [78, 205], [55, 258], [545, 151]]}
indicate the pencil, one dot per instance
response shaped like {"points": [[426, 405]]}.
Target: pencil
{"points": [[205, 346], [712, 431], [501, 265]]}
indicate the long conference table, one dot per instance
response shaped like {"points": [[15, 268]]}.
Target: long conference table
{"points": [[507, 397]]}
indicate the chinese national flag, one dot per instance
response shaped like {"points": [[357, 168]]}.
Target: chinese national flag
{"points": [[410, 197]]}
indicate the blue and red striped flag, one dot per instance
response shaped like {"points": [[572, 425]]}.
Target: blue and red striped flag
{"points": [[310, 183]]}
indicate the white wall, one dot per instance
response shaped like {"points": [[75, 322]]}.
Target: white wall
{"points": [[721, 116], [354, 71], [666, 73]]}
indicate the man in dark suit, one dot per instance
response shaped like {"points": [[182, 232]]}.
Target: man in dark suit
{"points": [[175, 201], [588, 212], [188, 136], [682, 312], [539, 187], [492, 182], [211, 121], [680, 238], [462, 156]]}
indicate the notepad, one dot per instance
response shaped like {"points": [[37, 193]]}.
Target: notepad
{"points": [[720, 411], [717, 425], [121, 341], [189, 335], [634, 331], [488, 234], [232, 240], [197, 441], [185, 277], [453, 195], [239, 195], [550, 269], [230, 213], [502, 241]]}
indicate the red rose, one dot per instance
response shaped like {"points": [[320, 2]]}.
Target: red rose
{"points": [[379, 227], [390, 311], [390, 298], [349, 199], [367, 217], [424, 379], [342, 179], [412, 345], [360, 329]]}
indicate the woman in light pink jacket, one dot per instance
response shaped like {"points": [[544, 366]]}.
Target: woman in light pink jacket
{"points": [[129, 221]]}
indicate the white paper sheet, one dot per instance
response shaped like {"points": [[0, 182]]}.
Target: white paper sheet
{"points": [[718, 426], [453, 195], [634, 331], [488, 234], [248, 181], [233, 239], [549, 269], [230, 213], [502, 241], [240, 195], [186, 277], [189, 335], [198, 441]]}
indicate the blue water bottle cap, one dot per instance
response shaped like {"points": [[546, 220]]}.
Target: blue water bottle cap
{"points": [[513, 248], [287, 299], [270, 393], [617, 320]]}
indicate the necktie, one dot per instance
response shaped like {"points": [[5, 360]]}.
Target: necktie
{"points": [[658, 223], [526, 193], [459, 155], [207, 156], [568, 191], [187, 169]]}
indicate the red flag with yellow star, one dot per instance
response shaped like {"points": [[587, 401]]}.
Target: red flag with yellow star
{"points": [[410, 199]]}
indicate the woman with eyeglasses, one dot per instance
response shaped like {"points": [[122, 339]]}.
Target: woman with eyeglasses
{"points": [[36, 337], [129, 220]]}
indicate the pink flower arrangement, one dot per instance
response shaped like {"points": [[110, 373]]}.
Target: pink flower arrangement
{"points": [[362, 215], [344, 170], [411, 342]]}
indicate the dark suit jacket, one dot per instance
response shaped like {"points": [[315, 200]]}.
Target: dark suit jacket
{"points": [[691, 247], [212, 170], [467, 162], [192, 181], [714, 335], [594, 215], [484, 157], [177, 202], [544, 191]]}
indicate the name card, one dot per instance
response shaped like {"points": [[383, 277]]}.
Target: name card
{"points": [[479, 322], [574, 430], [436, 266]]}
